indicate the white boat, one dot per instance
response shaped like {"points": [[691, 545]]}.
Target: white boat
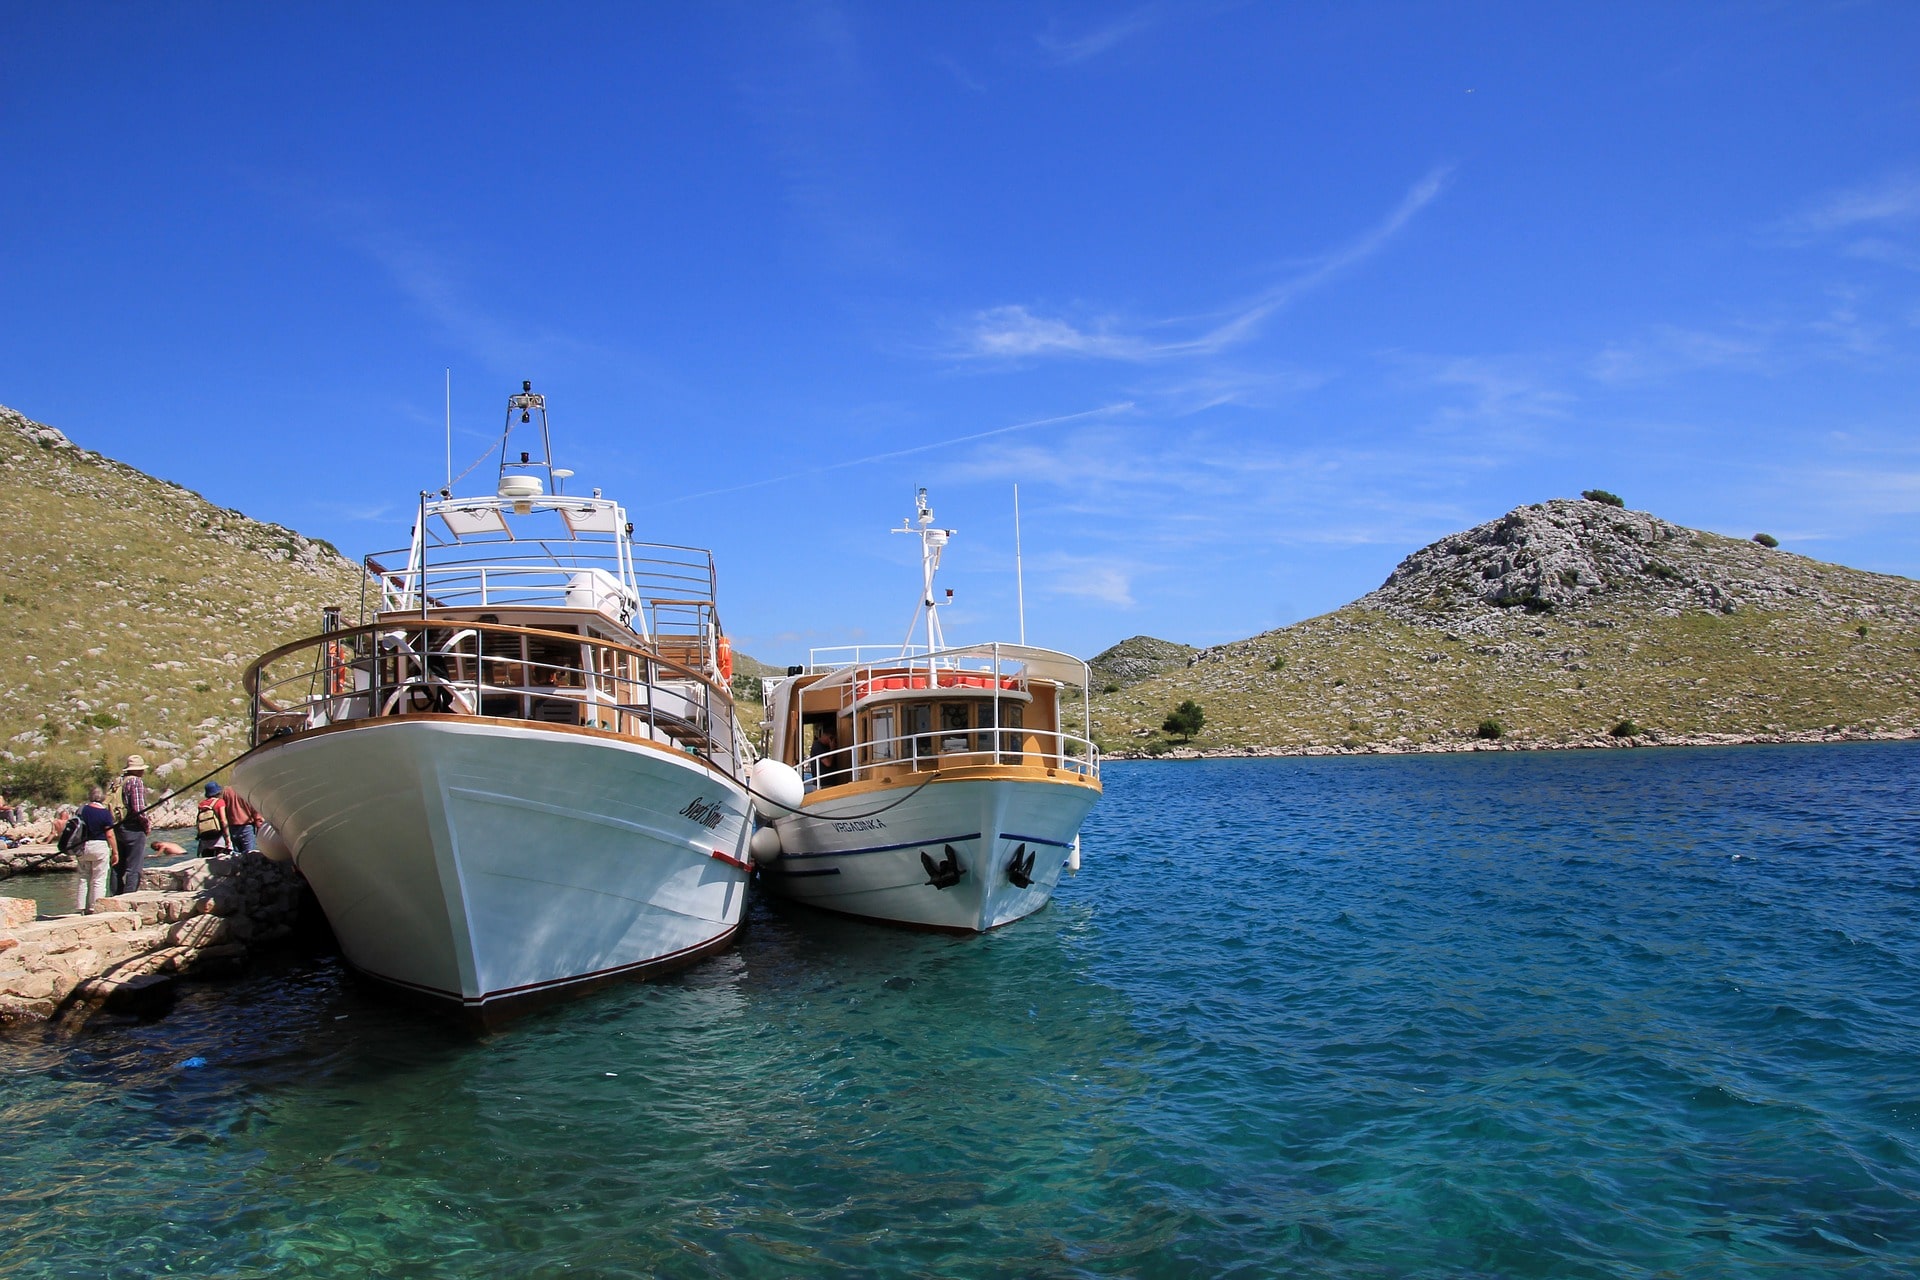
{"points": [[521, 774], [953, 793]]}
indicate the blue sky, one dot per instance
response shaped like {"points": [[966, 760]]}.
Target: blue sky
{"points": [[1251, 300]]}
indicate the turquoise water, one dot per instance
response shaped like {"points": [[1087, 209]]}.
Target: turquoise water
{"points": [[1601, 1014]]}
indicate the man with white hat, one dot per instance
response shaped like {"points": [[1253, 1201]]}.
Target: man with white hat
{"points": [[133, 825]]}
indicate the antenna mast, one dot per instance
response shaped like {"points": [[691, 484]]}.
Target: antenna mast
{"points": [[932, 542], [450, 428], [1019, 581]]}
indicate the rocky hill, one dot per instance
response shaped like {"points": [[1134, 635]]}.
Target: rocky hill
{"points": [[1139, 658], [131, 606], [1563, 623]]}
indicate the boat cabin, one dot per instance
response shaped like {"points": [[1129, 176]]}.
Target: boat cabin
{"points": [[993, 706]]}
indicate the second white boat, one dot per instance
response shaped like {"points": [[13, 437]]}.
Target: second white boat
{"points": [[928, 786]]}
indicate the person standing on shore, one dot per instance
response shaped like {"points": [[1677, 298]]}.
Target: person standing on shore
{"points": [[134, 825], [97, 854], [241, 820]]}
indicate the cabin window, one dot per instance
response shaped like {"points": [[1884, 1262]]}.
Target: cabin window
{"points": [[1014, 716], [882, 731], [954, 723], [919, 725]]}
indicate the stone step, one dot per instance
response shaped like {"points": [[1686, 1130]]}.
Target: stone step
{"points": [[156, 906]]}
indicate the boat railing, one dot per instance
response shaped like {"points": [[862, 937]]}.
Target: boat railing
{"points": [[490, 671], [891, 757], [603, 574], [834, 657]]}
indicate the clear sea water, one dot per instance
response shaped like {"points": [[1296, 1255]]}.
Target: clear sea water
{"points": [[1646, 1013]]}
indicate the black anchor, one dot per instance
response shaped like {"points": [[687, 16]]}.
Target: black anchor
{"points": [[1020, 873], [943, 874]]}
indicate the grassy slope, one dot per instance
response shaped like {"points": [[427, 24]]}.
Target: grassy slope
{"points": [[135, 604], [1357, 677]]}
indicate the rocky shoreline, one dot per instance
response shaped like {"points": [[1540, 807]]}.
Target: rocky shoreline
{"points": [[1596, 742], [199, 917]]}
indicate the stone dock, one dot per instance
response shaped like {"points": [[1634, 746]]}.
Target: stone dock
{"points": [[199, 917]]}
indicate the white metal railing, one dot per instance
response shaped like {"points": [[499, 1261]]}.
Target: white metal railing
{"points": [[608, 574], [841, 655], [953, 748]]}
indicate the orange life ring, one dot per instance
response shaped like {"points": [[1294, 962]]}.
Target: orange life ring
{"points": [[726, 658]]}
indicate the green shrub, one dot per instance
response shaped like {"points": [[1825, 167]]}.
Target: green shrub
{"points": [[1626, 729], [1279, 662], [1766, 539], [102, 720], [1666, 573], [1186, 720], [37, 781], [1601, 495], [1490, 729], [1862, 630]]}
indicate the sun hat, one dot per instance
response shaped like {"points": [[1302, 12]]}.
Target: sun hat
{"points": [[213, 788], [136, 765]]}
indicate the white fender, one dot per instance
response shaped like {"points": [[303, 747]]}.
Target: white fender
{"points": [[765, 846], [779, 783], [1073, 859]]}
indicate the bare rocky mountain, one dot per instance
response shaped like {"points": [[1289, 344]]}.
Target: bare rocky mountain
{"points": [[1569, 622], [1563, 555]]}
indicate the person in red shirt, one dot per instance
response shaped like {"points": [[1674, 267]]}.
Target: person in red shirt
{"points": [[241, 820]]}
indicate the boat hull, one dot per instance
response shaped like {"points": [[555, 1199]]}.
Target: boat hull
{"points": [[492, 866], [879, 867]]}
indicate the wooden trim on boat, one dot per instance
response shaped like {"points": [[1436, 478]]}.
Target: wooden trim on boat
{"points": [[435, 717], [909, 778]]}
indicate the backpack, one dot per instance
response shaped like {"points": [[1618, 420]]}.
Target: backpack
{"points": [[71, 836], [208, 823], [125, 816]]}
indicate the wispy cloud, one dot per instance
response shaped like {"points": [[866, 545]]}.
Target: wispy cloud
{"points": [[1103, 412], [1667, 349], [1063, 49], [1013, 332], [1894, 199]]}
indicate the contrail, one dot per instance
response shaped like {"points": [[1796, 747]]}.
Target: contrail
{"points": [[901, 453]]}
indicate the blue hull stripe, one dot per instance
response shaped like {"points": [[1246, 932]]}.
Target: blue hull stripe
{"points": [[1058, 844], [815, 871], [879, 848]]}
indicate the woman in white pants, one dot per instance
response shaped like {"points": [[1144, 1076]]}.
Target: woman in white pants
{"points": [[99, 852]]}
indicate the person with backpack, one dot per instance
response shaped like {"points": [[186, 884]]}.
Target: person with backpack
{"points": [[210, 823], [98, 851], [131, 823]]}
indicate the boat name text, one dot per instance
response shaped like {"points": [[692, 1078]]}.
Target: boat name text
{"points": [[707, 813], [861, 824]]}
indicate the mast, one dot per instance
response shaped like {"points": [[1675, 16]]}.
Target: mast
{"points": [[932, 542]]}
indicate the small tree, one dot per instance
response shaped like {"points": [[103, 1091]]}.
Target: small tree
{"points": [[1490, 729], [1186, 720], [1766, 540], [1626, 729], [1601, 495]]}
